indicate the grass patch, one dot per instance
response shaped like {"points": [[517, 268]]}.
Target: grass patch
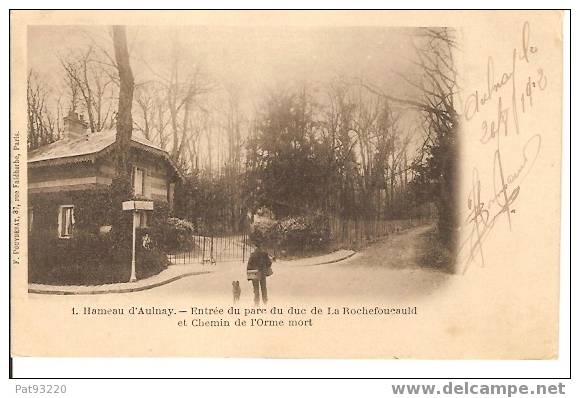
{"points": [[433, 254]]}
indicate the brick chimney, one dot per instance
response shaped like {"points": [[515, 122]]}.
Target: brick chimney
{"points": [[74, 127]]}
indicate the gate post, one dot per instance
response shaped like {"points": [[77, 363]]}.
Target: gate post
{"points": [[244, 249]]}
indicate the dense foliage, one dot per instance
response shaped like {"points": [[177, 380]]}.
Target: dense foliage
{"points": [[436, 175], [338, 151], [288, 165], [292, 234], [211, 204], [88, 259], [175, 235], [91, 256]]}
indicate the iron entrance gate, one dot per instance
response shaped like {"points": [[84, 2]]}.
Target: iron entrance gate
{"points": [[214, 249]]}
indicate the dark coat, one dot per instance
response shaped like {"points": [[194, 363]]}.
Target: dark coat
{"points": [[259, 260]]}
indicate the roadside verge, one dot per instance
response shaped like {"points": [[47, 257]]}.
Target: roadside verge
{"points": [[172, 274]]}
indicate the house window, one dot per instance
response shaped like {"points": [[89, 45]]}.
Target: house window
{"points": [[138, 181], [66, 221]]}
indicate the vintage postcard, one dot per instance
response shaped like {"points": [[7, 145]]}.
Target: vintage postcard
{"points": [[286, 184]]}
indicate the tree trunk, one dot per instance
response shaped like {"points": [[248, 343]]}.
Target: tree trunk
{"points": [[124, 117]]}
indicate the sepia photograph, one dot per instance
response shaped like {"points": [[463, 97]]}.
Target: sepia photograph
{"points": [[314, 184], [156, 153]]}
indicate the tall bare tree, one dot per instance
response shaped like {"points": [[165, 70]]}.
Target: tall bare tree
{"points": [[439, 84], [436, 85], [43, 125], [90, 86], [126, 88], [145, 101]]}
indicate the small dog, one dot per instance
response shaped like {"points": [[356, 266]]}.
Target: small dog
{"points": [[236, 291]]}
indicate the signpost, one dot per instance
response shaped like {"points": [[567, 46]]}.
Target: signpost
{"points": [[136, 206]]}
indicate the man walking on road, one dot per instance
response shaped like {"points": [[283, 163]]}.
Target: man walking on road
{"points": [[259, 268]]}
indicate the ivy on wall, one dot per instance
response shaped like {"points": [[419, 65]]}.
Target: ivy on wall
{"points": [[92, 209], [90, 257]]}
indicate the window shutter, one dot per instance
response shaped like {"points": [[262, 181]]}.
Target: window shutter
{"points": [[147, 183], [59, 222], [138, 180]]}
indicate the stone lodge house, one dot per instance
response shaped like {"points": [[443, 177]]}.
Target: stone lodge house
{"points": [[64, 178]]}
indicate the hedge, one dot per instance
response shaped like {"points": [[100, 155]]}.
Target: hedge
{"points": [[89, 259], [293, 234], [176, 235]]}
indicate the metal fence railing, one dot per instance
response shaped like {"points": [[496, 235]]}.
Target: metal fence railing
{"points": [[344, 233], [347, 232], [213, 249]]}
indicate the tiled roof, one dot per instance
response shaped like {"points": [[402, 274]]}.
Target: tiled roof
{"points": [[85, 148], [87, 145]]}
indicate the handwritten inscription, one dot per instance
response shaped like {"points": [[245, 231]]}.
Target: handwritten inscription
{"points": [[508, 98], [483, 214], [501, 87]]}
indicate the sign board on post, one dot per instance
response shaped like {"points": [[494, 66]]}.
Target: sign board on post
{"points": [[138, 205], [135, 206]]}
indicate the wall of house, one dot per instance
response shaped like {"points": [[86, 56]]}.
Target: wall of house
{"points": [[92, 209], [89, 175], [77, 184], [84, 185], [157, 178], [70, 177]]}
